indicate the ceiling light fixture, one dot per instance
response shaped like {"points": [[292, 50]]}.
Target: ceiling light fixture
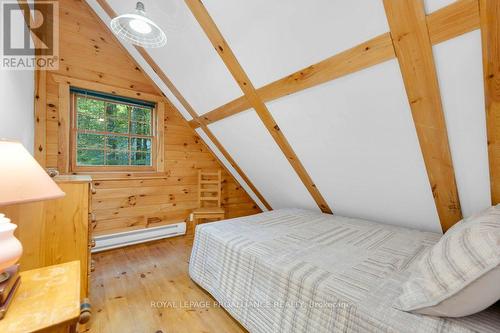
{"points": [[138, 29]]}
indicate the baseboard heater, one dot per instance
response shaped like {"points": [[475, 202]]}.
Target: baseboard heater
{"points": [[107, 242]]}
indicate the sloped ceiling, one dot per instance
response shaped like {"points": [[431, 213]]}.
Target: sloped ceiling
{"points": [[354, 135]]}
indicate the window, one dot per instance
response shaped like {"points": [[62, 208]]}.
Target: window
{"points": [[112, 133]]}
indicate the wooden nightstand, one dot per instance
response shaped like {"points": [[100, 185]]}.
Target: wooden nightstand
{"points": [[48, 300]]}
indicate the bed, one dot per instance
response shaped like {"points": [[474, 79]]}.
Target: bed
{"points": [[293, 270]]}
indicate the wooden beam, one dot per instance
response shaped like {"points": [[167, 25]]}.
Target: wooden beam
{"points": [[214, 35], [490, 33], [367, 54], [149, 60], [456, 19], [451, 21], [413, 48]]}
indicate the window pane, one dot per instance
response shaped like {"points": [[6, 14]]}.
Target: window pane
{"points": [[119, 111], [117, 125], [89, 123], [87, 140], [140, 144], [90, 157], [140, 158], [140, 128], [141, 114], [117, 158], [121, 124], [117, 143], [90, 107]]}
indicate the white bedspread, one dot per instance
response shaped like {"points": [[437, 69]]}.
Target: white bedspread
{"points": [[300, 271]]}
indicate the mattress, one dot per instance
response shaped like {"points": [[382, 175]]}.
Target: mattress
{"points": [[292, 270]]}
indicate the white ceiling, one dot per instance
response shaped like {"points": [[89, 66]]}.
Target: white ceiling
{"points": [[272, 39], [356, 138], [354, 135]]}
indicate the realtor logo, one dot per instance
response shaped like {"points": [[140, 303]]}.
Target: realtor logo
{"points": [[33, 46]]}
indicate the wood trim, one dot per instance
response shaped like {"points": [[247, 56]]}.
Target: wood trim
{"points": [[160, 137], [227, 55], [63, 132], [413, 48], [490, 34], [107, 88], [111, 13], [451, 21], [40, 117], [157, 138]]}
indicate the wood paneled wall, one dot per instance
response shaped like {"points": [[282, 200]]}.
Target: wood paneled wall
{"points": [[135, 203], [129, 201]]}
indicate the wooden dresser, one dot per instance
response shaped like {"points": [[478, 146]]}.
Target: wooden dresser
{"points": [[57, 231]]}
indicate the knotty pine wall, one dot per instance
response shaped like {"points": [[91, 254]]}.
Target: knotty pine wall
{"points": [[89, 52]]}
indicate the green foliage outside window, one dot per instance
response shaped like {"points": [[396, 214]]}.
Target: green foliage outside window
{"points": [[112, 134]]}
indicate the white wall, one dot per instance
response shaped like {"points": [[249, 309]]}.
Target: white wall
{"points": [[16, 94]]}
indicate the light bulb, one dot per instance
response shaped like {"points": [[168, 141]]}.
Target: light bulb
{"points": [[140, 26]]}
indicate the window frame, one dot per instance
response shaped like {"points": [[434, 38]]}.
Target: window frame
{"points": [[112, 168]]}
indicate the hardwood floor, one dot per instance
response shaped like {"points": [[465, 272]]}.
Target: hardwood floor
{"points": [[146, 288]]}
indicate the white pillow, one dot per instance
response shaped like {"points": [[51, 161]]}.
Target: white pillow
{"points": [[460, 274]]}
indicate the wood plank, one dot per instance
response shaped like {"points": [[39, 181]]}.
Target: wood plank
{"points": [[413, 48], [227, 55], [141, 274], [449, 22], [490, 34], [40, 117], [63, 131]]}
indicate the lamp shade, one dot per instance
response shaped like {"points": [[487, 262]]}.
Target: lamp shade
{"points": [[22, 179]]}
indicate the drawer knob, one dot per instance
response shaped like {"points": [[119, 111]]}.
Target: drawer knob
{"points": [[92, 243]]}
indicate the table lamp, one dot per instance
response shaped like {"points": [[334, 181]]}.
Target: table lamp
{"points": [[22, 180]]}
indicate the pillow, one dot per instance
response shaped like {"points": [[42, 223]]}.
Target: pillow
{"points": [[459, 275]]}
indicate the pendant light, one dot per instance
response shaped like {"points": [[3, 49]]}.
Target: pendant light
{"points": [[137, 29]]}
